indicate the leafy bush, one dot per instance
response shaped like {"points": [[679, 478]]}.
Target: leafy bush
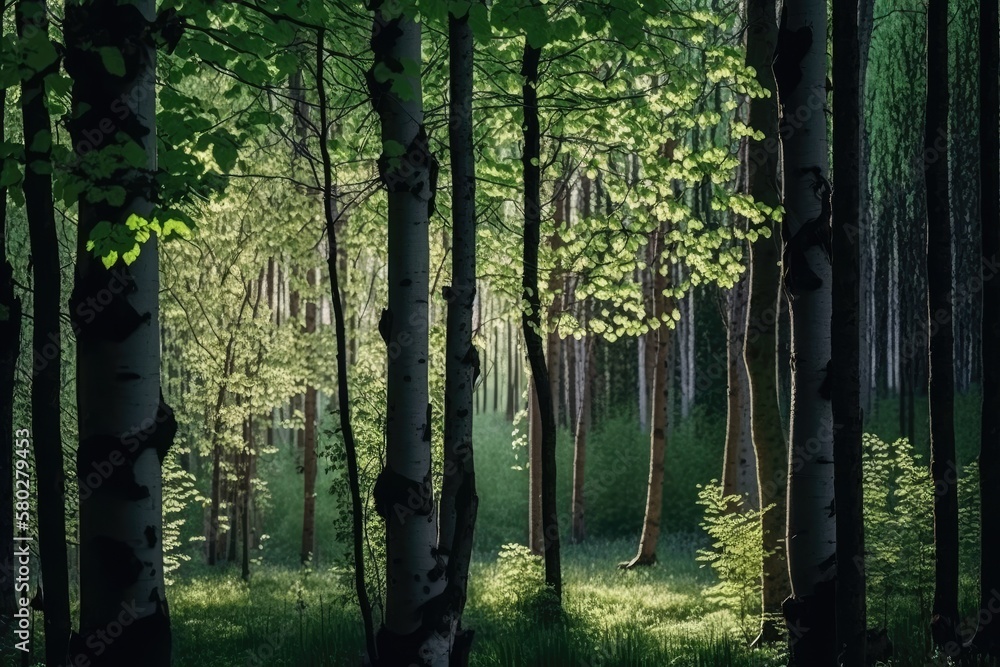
{"points": [[735, 555], [518, 590]]}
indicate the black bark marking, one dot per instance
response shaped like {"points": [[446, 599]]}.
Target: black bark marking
{"points": [[791, 49], [398, 496], [118, 560], [385, 325], [150, 534], [799, 277]]}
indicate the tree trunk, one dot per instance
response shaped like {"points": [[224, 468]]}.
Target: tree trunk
{"points": [[739, 466], [511, 375], [459, 502], [404, 493], [309, 449], [535, 540], [32, 30], [579, 532], [761, 340], [987, 639], [845, 360], [245, 498], [339, 301], [662, 308], [10, 348], [800, 72], [124, 424], [531, 318], [941, 368]]}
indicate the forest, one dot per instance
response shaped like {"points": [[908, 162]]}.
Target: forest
{"points": [[499, 333]]}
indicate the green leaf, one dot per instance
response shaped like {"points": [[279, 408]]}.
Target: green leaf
{"points": [[112, 60]]}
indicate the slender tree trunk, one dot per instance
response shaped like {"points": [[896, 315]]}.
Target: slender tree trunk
{"points": [[579, 531], [662, 307], [32, 30], [124, 423], [987, 639], [511, 375], [459, 502], [10, 347], [760, 343], [845, 360], [339, 301], [404, 493], [248, 439], [531, 318], [309, 451], [941, 368], [535, 540], [800, 69], [739, 470]]}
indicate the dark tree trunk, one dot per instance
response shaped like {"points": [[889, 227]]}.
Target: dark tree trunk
{"points": [[10, 347], [32, 30], [339, 300], [987, 639], [761, 341], [531, 318], [941, 368], [845, 337]]}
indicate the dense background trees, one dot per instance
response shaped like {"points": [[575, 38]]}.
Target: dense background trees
{"points": [[362, 298]]}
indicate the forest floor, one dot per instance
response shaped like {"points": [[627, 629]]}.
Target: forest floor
{"points": [[653, 617]]}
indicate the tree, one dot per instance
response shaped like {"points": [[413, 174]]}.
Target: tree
{"points": [[46, 427], [338, 300], [124, 425], [940, 344], [987, 639], [309, 440], [531, 318], [800, 73], [845, 361], [662, 308], [739, 467], [760, 344], [459, 502], [10, 347], [403, 493]]}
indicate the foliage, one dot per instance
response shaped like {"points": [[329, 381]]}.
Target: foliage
{"points": [[735, 555]]}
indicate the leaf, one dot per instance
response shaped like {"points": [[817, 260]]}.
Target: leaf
{"points": [[112, 60]]}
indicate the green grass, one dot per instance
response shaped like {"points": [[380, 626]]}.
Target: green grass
{"points": [[655, 616]]}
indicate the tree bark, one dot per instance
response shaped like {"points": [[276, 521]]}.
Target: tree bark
{"points": [[339, 301], [579, 528], [403, 492], [739, 469], [760, 343], [531, 318], [535, 540], [845, 360], [941, 369], [987, 639], [800, 69], [309, 437], [662, 308], [10, 348], [46, 383], [124, 424], [459, 501]]}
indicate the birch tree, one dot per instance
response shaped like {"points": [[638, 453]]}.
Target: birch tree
{"points": [[403, 493], [124, 425], [800, 67]]}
